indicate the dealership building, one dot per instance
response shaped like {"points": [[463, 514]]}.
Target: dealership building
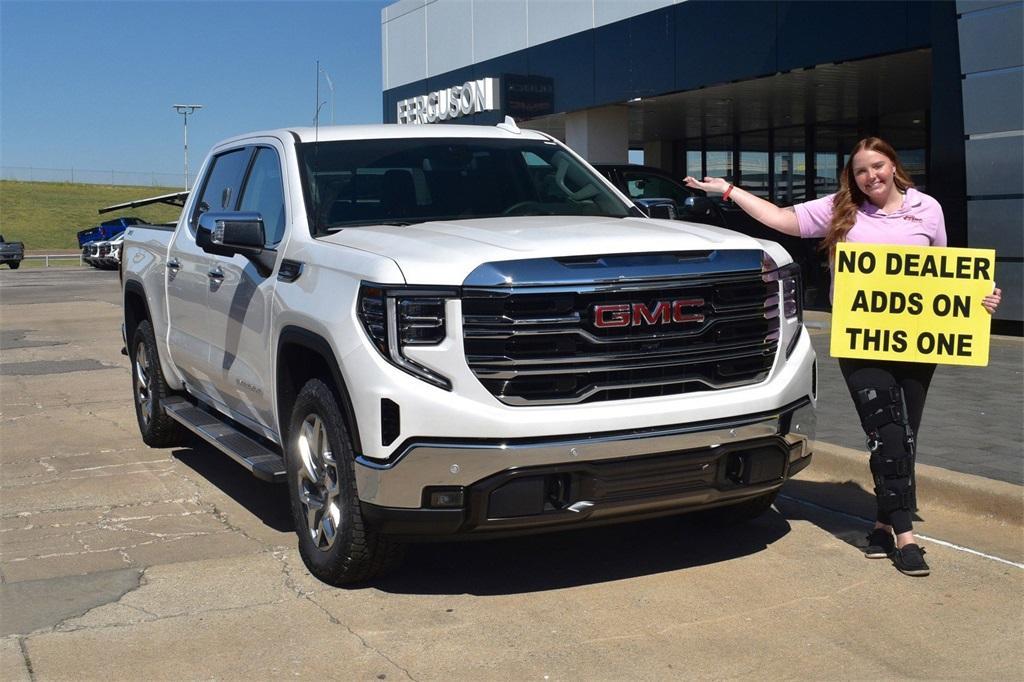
{"points": [[770, 94]]}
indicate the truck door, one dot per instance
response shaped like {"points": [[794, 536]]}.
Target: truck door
{"points": [[240, 303], [190, 273]]}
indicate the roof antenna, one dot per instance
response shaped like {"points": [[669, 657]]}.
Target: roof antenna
{"points": [[509, 124]]}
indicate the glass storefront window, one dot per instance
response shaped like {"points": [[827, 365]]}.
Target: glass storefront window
{"points": [[719, 158], [754, 163], [789, 180], [694, 165]]}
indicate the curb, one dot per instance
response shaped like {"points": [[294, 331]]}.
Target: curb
{"points": [[938, 487]]}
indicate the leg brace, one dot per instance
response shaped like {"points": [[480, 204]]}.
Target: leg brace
{"points": [[883, 415]]}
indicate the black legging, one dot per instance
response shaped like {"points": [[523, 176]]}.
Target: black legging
{"points": [[913, 378]]}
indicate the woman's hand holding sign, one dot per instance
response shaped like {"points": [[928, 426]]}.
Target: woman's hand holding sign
{"points": [[991, 302]]}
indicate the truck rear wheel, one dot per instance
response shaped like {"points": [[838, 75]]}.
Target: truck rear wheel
{"points": [[149, 390], [15, 265], [334, 542]]}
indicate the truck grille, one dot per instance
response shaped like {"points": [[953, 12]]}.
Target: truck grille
{"points": [[571, 344]]}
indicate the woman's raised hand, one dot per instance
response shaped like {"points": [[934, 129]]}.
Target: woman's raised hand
{"points": [[991, 302], [716, 185]]}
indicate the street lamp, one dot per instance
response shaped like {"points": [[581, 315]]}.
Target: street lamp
{"points": [[330, 85], [185, 110]]}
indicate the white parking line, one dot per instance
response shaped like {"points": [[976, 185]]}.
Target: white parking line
{"points": [[923, 537]]}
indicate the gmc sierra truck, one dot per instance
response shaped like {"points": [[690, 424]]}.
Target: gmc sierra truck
{"points": [[461, 330]]}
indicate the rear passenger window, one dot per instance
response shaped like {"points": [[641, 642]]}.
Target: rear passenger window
{"points": [[220, 189], [264, 194]]}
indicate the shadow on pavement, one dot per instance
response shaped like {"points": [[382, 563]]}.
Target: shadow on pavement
{"points": [[517, 564], [846, 510], [266, 501], [572, 558]]}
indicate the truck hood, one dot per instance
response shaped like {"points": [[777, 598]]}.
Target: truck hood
{"points": [[445, 252]]}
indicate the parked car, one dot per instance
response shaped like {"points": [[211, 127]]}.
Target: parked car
{"points": [[107, 229], [461, 330], [652, 187], [11, 253], [110, 253]]}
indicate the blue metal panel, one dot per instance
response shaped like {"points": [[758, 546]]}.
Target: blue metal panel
{"points": [[634, 57], [569, 62], [811, 33], [722, 42]]}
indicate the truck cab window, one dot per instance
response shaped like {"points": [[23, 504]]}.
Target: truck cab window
{"points": [[220, 188], [264, 194]]}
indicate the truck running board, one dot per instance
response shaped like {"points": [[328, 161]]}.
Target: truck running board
{"points": [[264, 463]]}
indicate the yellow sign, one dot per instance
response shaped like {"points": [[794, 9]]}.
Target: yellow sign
{"points": [[912, 303]]}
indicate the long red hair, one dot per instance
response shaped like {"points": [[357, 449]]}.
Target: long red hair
{"points": [[849, 197]]}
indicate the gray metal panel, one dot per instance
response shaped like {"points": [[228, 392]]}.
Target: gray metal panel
{"points": [[994, 102], [609, 11], [965, 6], [992, 40], [397, 9], [994, 166], [553, 19], [407, 49], [449, 42], [997, 224], [1010, 278], [499, 27]]}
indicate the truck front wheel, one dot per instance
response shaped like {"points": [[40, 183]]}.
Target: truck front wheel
{"points": [[334, 542], [14, 264], [150, 390]]}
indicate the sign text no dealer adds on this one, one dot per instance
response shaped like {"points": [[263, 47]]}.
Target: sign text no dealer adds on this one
{"points": [[912, 303]]}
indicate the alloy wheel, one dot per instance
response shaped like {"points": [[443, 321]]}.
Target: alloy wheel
{"points": [[319, 488]]}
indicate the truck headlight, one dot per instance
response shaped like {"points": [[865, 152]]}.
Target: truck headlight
{"points": [[788, 277], [398, 317]]}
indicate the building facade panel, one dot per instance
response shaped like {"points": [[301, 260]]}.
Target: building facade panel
{"points": [[569, 63], [553, 19], [610, 11], [964, 6], [449, 36], [634, 57], [993, 101], [703, 28], [999, 225], [994, 167], [991, 39], [405, 40], [499, 27]]}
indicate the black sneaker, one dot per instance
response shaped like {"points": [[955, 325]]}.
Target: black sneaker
{"points": [[909, 559], [880, 544]]}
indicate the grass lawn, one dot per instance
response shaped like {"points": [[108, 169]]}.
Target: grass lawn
{"points": [[47, 215]]}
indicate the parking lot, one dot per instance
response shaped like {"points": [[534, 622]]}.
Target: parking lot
{"points": [[118, 561]]}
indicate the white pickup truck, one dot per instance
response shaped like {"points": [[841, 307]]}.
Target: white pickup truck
{"points": [[439, 330]]}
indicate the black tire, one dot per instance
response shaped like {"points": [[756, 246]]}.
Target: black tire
{"points": [[334, 542], [15, 265], [744, 511], [149, 391]]}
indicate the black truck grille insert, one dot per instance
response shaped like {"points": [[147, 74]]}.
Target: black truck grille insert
{"points": [[574, 344]]}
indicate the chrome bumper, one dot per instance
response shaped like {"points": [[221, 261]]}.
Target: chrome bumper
{"points": [[399, 483]]}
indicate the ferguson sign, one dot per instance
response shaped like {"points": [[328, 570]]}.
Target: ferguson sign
{"points": [[443, 105]]}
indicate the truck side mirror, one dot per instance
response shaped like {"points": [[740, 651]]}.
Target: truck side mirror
{"points": [[242, 233], [664, 209]]}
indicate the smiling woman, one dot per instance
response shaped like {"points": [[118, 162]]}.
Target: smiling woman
{"points": [[876, 203]]}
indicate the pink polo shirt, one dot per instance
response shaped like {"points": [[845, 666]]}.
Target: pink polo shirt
{"points": [[918, 222]]}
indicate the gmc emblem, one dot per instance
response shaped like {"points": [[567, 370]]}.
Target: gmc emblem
{"points": [[636, 314]]}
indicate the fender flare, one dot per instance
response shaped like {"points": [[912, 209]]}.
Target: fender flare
{"points": [[299, 336]]}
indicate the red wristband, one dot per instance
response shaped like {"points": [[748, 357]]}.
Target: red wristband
{"points": [[727, 192]]}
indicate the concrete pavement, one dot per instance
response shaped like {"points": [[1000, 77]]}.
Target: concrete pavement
{"points": [[118, 561]]}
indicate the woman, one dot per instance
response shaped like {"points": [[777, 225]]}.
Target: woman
{"points": [[876, 203]]}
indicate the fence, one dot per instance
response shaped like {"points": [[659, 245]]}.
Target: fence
{"points": [[91, 176], [56, 257]]}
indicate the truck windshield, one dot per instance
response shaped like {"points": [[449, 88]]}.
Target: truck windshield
{"points": [[406, 181]]}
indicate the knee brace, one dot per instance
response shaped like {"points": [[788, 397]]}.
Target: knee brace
{"points": [[883, 414]]}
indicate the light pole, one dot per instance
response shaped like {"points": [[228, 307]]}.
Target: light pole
{"points": [[185, 110], [330, 85]]}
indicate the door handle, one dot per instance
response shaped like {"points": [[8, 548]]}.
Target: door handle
{"points": [[216, 274], [173, 264]]}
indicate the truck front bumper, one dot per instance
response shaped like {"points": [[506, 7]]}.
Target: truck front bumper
{"points": [[488, 486]]}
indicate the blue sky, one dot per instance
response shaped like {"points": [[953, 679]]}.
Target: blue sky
{"points": [[90, 85]]}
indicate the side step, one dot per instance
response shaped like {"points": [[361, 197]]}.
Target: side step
{"points": [[264, 464]]}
